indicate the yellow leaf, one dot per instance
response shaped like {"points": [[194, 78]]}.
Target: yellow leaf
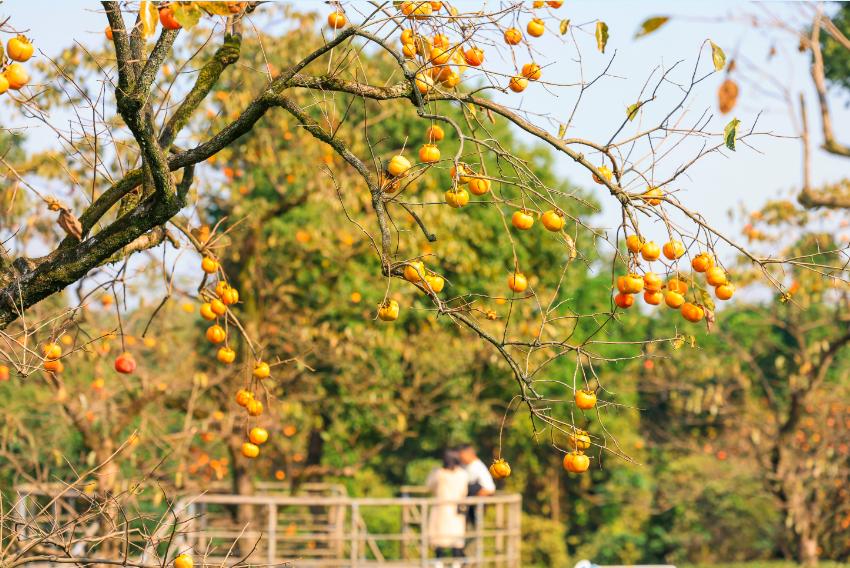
{"points": [[717, 56], [215, 8], [149, 16], [187, 14], [565, 26], [650, 25], [562, 130], [601, 36], [632, 110]]}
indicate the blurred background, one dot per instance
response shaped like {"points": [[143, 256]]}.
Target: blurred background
{"points": [[733, 442]]}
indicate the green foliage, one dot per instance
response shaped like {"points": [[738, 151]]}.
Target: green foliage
{"points": [[836, 57]]}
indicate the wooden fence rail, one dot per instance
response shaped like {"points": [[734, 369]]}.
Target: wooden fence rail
{"points": [[344, 532], [322, 530]]}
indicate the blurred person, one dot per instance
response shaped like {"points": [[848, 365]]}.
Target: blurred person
{"points": [[447, 520], [481, 482]]}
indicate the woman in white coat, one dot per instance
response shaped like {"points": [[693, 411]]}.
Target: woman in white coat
{"points": [[446, 523]]}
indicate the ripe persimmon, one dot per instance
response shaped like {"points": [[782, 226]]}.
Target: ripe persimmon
{"points": [[230, 296], [388, 311], [715, 276], [424, 82], [518, 84], [436, 282], [337, 20], [398, 166], [54, 366], [439, 55], [535, 27], [554, 3], [604, 172], [108, 32], [166, 18], [209, 265], [184, 561], [692, 312], [414, 271], [517, 282], [216, 334], [634, 243], [576, 462], [522, 220], [225, 355], [500, 469], [674, 299], [652, 196], [677, 285], [243, 397], [579, 439], [624, 301], [462, 173], [16, 75], [261, 370], [125, 364], [553, 220], [673, 249], [51, 350], [434, 134], [652, 282], [513, 36], [630, 284], [479, 186], [250, 450], [724, 291], [653, 298], [258, 436], [254, 407], [19, 48], [218, 307], [429, 154], [531, 71], [702, 262], [474, 56], [206, 311], [4, 373], [650, 251], [457, 198]]}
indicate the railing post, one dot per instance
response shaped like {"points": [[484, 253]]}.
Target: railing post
{"points": [[423, 535], [500, 534], [479, 529], [271, 530], [355, 549], [517, 538]]}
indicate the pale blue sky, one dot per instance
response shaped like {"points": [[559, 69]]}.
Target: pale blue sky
{"points": [[714, 185]]}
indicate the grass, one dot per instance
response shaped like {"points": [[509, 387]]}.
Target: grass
{"points": [[764, 564]]}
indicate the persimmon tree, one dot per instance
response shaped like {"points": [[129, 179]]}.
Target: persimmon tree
{"points": [[154, 129], [780, 403]]}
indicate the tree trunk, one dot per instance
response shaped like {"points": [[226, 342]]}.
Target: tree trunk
{"points": [[807, 549]]}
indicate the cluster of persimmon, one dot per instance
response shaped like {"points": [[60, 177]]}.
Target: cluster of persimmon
{"points": [[217, 307], [673, 293], [575, 461], [14, 75], [437, 55]]}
